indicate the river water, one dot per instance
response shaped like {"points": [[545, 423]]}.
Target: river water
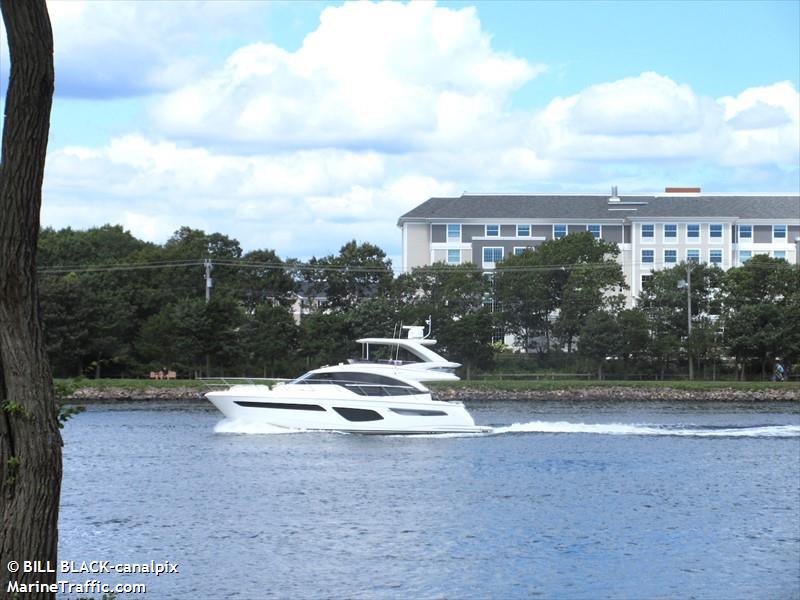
{"points": [[562, 500]]}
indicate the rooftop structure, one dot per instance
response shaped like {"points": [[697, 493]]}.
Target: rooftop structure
{"points": [[652, 230]]}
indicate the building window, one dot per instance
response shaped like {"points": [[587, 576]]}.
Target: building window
{"points": [[693, 231], [778, 233], [715, 231], [648, 231], [670, 256], [453, 257], [523, 230], [670, 231], [745, 233], [559, 231], [492, 255], [779, 254], [594, 230], [519, 250], [453, 232], [715, 257], [492, 230], [693, 256], [744, 256], [647, 281], [648, 256]]}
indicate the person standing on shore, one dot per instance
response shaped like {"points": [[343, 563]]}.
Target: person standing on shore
{"points": [[780, 371]]}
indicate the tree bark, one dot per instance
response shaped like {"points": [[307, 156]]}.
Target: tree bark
{"points": [[30, 441]]}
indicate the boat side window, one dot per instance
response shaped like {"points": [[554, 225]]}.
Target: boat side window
{"points": [[372, 384], [363, 384], [315, 378], [391, 354]]}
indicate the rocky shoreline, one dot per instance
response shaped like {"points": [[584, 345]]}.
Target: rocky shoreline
{"points": [[621, 393], [89, 394], [600, 393]]}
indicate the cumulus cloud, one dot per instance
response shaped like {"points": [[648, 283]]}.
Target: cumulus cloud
{"points": [[108, 49], [154, 187], [390, 76], [650, 117], [764, 124], [382, 106]]}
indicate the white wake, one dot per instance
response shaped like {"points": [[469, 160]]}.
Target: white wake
{"points": [[251, 428], [232, 426], [628, 429]]}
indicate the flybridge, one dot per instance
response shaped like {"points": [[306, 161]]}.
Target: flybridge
{"points": [[397, 351]]}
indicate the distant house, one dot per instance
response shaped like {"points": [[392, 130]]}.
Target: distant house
{"points": [[653, 231]]}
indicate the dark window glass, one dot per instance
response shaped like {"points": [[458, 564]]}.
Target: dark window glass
{"points": [[280, 405], [358, 414], [363, 384], [418, 412]]}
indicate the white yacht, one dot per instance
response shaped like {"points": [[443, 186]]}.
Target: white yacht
{"points": [[381, 392]]}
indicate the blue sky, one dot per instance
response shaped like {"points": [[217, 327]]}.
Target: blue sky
{"points": [[298, 126]]}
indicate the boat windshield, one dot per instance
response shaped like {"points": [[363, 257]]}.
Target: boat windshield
{"points": [[388, 354], [363, 384]]}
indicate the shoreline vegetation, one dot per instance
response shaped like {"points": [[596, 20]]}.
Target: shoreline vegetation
{"points": [[132, 390]]}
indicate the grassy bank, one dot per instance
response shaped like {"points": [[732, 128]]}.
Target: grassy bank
{"points": [[481, 385], [548, 385], [130, 384]]}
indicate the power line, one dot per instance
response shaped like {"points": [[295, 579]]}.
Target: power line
{"points": [[428, 269]]}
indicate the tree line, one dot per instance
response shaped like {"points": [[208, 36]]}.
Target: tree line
{"points": [[116, 306]]}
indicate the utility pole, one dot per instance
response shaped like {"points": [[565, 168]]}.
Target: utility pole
{"points": [[209, 282], [688, 285]]}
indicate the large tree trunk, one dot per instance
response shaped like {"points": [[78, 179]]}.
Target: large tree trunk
{"points": [[30, 442]]}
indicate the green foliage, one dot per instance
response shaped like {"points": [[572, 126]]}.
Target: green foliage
{"points": [[468, 340], [359, 271], [63, 389], [13, 408], [551, 290], [269, 338], [12, 468], [601, 339], [565, 294]]}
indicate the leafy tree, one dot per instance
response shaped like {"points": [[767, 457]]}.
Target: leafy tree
{"points": [[359, 271], [66, 315], [753, 333], [704, 342], [444, 291], [325, 338], [193, 336], [761, 279], [553, 288], [635, 336], [601, 338], [454, 296], [268, 281], [761, 309], [468, 340], [374, 317], [665, 304], [269, 338]]}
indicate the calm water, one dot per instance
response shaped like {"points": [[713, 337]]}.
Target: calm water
{"points": [[622, 500]]}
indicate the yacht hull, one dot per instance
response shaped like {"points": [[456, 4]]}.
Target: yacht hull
{"points": [[331, 408]]}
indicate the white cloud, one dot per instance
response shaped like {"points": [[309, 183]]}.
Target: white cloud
{"points": [[643, 105], [653, 118], [389, 76], [764, 126], [106, 49], [294, 198], [381, 107]]}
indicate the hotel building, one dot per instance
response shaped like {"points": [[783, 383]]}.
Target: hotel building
{"points": [[653, 231]]}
